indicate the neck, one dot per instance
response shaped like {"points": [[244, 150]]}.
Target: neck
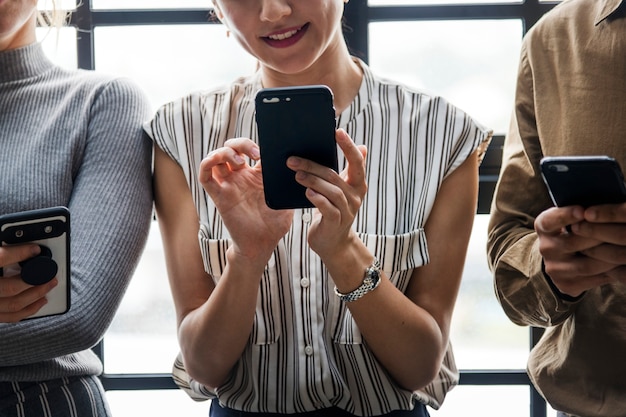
{"points": [[344, 79], [24, 35]]}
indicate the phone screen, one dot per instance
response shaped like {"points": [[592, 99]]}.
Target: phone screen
{"points": [[293, 121]]}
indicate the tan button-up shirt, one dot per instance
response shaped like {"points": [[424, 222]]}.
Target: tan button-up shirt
{"points": [[570, 100]]}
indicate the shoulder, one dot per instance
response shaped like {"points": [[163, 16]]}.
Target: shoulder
{"points": [[564, 19], [100, 93]]}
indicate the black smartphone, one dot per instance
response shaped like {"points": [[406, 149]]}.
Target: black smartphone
{"points": [[583, 180], [293, 121], [50, 229]]}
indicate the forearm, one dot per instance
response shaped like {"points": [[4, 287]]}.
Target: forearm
{"points": [[214, 336], [403, 336]]}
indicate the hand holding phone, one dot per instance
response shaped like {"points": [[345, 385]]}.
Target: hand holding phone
{"points": [[293, 121], [583, 180], [50, 229]]}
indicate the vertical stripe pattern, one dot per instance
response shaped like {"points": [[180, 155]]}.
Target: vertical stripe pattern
{"points": [[305, 351], [63, 397]]}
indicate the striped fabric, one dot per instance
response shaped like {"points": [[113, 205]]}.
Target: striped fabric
{"points": [[305, 351], [63, 397]]}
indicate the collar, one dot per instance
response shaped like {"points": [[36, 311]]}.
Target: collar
{"points": [[23, 63], [606, 9]]}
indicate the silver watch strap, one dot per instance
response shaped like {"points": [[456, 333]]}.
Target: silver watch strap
{"points": [[370, 282]]}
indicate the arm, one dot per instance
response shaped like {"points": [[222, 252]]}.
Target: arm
{"points": [[110, 203], [409, 332], [215, 320], [513, 245]]}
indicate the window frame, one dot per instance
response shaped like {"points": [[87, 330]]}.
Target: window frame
{"points": [[358, 14]]}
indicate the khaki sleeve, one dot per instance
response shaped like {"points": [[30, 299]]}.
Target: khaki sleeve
{"points": [[512, 246]]}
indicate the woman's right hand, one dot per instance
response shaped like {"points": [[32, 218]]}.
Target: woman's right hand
{"points": [[18, 299], [236, 188]]}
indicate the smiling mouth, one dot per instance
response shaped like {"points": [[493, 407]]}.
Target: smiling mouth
{"points": [[286, 35]]}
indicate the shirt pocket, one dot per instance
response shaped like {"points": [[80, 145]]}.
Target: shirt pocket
{"points": [[398, 255], [266, 326]]}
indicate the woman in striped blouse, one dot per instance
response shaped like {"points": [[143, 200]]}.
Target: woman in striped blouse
{"points": [[275, 315]]}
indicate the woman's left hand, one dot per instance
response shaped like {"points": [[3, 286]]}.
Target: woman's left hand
{"points": [[337, 197]]}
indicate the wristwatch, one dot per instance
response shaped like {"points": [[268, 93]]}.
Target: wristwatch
{"points": [[370, 282]]}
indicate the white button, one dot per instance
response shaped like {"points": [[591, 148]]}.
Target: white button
{"points": [[304, 282], [306, 217], [308, 350]]}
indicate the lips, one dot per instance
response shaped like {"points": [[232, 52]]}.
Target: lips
{"points": [[286, 38]]}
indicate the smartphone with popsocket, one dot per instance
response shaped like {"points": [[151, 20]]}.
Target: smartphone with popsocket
{"points": [[50, 229], [293, 121], [583, 180]]}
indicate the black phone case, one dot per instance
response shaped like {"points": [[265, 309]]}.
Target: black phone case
{"points": [[293, 121], [583, 180], [50, 228]]}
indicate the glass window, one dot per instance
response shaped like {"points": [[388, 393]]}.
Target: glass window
{"points": [[171, 61], [60, 4], [485, 401], [481, 334], [471, 63], [151, 4], [59, 44], [438, 2], [142, 336], [172, 403]]}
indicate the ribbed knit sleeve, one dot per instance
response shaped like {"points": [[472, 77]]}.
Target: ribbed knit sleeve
{"points": [[74, 138]]}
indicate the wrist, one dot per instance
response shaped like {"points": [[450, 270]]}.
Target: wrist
{"points": [[371, 280], [248, 262]]}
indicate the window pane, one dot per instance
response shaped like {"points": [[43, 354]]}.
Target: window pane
{"points": [[59, 44], [485, 401], [151, 4], [157, 403], [429, 2], [59, 4], [482, 336], [471, 63], [171, 61], [142, 337]]}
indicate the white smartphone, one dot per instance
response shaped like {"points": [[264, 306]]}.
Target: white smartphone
{"points": [[50, 229]]}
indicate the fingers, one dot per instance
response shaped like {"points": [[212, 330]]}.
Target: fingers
{"points": [[14, 254], [608, 213], [614, 233], [574, 285], [554, 220], [220, 162], [19, 300], [355, 156]]}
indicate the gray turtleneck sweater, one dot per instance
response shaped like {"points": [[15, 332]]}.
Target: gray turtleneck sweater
{"points": [[73, 138]]}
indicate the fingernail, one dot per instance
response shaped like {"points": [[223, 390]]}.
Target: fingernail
{"points": [[35, 250], [294, 161], [256, 154]]}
